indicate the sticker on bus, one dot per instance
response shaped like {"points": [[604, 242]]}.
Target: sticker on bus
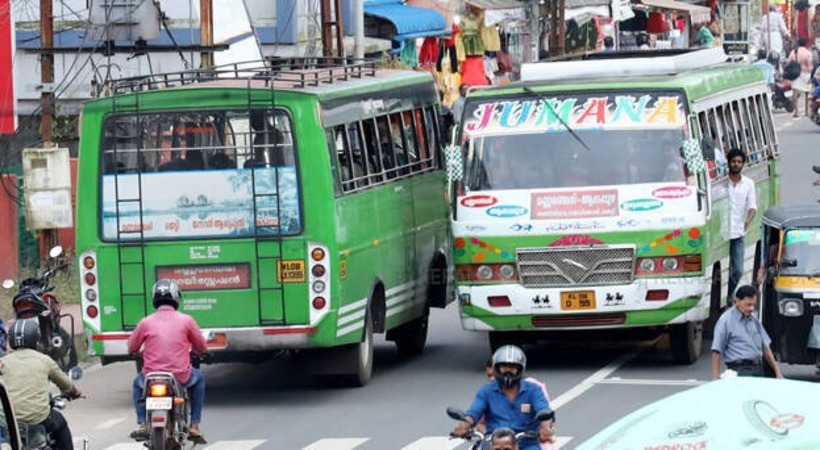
{"points": [[208, 277]]}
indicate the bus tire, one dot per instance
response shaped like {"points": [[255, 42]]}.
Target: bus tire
{"points": [[411, 337], [714, 304], [686, 342], [360, 357]]}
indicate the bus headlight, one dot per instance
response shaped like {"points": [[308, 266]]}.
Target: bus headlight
{"points": [[791, 307], [647, 265], [506, 271], [484, 272], [670, 264]]}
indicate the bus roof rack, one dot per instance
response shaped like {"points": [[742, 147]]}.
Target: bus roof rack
{"points": [[623, 64], [299, 72]]}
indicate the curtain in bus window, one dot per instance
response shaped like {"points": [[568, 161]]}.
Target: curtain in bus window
{"points": [[187, 171]]}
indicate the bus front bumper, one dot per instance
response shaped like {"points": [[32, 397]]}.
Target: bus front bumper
{"points": [[644, 302]]}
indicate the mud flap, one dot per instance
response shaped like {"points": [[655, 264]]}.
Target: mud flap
{"points": [[814, 334]]}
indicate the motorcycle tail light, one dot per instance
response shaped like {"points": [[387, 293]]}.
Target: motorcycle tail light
{"points": [[23, 305], [158, 390], [179, 401]]}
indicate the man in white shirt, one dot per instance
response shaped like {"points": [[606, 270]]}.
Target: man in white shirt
{"points": [[774, 31], [743, 203]]}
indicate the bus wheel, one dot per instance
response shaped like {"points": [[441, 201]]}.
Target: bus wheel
{"points": [[360, 357], [714, 304], [686, 342], [411, 336]]}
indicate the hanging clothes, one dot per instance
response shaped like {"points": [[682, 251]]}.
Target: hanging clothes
{"points": [[473, 72], [471, 34], [408, 53], [428, 55], [490, 37], [448, 47]]}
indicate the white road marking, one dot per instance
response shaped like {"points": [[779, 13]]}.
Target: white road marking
{"points": [[336, 444], [434, 443], [235, 445], [561, 441], [110, 423], [125, 446], [590, 381], [644, 382]]}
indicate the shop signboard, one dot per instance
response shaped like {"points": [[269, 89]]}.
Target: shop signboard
{"points": [[736, 24]]}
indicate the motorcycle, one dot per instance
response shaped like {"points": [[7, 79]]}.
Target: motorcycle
{"points": [[168, 410], [35, 299], [782, 95], [35, 437], [481, 441]]}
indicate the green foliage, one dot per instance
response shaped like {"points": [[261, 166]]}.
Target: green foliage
{"points": [[389, 62]]}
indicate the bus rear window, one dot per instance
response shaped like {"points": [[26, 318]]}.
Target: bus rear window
{"points": [[178, 174]]}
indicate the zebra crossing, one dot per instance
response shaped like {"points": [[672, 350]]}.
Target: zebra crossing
{"points": [[423, 443]]}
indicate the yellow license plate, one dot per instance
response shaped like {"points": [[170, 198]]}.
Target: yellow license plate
{"points": [[577, 300]]}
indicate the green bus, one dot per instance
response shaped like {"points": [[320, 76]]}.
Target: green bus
{"points": [[593, 195], [299, 206]]}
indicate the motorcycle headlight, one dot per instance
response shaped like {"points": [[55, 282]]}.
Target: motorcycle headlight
{"points": [[791, 307]]}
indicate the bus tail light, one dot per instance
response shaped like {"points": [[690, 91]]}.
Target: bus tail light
{"points": [[318, 278], [90, 289], [505, 273], [92, 312], [499, 301]]}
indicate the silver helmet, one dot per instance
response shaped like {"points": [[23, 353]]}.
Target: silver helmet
{"points": [[509, 354]]}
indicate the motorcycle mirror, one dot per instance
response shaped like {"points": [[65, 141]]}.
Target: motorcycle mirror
{"points": [[56, 251], [75, 373], [8, 283], [544, 415], [455, 413]]}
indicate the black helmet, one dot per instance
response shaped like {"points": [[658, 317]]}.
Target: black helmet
{"points": [[166, 292], [25, 333], [509, 354]]}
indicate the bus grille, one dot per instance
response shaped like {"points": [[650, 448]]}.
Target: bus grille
{"points": [[567, 266]]}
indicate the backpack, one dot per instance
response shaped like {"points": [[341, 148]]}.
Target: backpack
{"points": [[791, 71]]}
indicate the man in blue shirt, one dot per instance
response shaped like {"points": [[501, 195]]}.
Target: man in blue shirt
{"points": [[509, 401], [763, 64], [740, 340]]}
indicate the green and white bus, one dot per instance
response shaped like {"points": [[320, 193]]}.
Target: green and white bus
{"points": [[593, 195], [298, 207]]}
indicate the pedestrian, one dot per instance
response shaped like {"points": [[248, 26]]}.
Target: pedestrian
{"points": [[705, 38], [743, 206], [802, 86], [774, 30], [609, 44], [458, 104], [503, 439], [740, 341]]}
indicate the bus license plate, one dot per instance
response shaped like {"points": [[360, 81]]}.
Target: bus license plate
{"points": [[152, 403], [578, 300]]}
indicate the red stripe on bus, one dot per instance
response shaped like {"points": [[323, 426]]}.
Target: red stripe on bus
{"points": [[110, 337], [290, 330]]}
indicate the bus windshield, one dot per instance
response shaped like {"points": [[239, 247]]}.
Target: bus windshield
{"points": [[171, 175], [574, 139], [558, 160]]}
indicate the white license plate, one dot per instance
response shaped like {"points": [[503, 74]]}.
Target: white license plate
{"points": [[152, 403]]}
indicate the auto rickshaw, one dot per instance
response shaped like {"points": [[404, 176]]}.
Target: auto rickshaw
{"points": [[790, 275]]}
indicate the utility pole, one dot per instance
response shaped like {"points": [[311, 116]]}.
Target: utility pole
{"points": [[48, 236], [340, 33], [327, 31], [535, 31], [47, 68], [206, 34]]}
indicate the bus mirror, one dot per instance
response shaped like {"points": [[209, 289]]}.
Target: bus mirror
{"points": [[693, 155], [453, 158]]}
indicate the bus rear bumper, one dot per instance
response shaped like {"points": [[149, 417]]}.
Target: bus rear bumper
{"points": [[251, 339]]}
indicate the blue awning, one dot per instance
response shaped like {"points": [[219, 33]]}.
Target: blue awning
{"points": [[409, 21]]}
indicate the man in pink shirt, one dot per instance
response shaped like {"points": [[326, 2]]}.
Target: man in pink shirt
{"points": [[166, 338]]}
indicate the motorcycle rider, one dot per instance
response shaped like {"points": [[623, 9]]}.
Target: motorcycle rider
{"points": [[509, 401], [27, 373], [166, 338]]}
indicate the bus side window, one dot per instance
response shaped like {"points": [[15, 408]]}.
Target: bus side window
{"points": [[410, 140], [387, 152], [341, 151], [371, 150], [335, 164], [421, 139], [399, 144], [356, 154], [431, 126]]}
